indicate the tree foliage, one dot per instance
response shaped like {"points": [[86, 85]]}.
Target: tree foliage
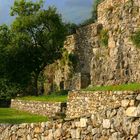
{"points": [[34, 40]]}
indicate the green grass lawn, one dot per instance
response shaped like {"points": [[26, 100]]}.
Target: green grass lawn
{"points": [[123, 87], [49, 98], [12, 116]]}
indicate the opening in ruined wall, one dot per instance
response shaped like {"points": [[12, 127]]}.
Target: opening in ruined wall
{"points": [[62, 85], [85, 80]]}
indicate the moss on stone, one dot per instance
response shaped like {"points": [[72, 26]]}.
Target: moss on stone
{"points": [[136, 39], [103, 37]]}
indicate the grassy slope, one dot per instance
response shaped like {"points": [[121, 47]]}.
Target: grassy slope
{"points": [[49, 98], [12, 116], [123, 87]]}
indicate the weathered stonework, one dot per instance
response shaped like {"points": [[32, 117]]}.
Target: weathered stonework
{"points": [[121, 121], [120, 61], [38, 107], [81, 103], [117, 63]]}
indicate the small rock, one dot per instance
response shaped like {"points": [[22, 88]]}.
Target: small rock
{"points": [[131, 112], [37, 130], [75, 133], [50, 136], [43, 124], [94, 131], [114, 136], [77, 124], [125, 103], [138, 138], [138, 97], [108, 112], [134, 128], [132, 102], [106, 123], [83, 122], [57, 133], [113, 113], [29, 137], [78, 133]]}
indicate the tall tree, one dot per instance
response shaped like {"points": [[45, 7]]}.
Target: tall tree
{"points": [[4, 41], [38, 37]]}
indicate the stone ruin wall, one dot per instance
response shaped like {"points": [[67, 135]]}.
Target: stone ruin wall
{"points": [[83, 103], [120, 61], [122, 64], [117, 63]]}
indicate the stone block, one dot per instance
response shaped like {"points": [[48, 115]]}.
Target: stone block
{"points": [[106, 123], [57, 133], [75, 133], [131, 112], [125, 103], [134, 128], [94, 131], [138, 97], [83, 122]]}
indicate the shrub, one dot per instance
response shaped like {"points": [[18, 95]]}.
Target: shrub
{"points": [[136, 39], [8, 90], [104, 36]]}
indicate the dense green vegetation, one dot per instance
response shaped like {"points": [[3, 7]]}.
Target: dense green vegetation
{"points": [[123, 87], [136, 39], [12, 116], [33, 41]]}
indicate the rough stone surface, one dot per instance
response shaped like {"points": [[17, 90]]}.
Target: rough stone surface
{"points": [[132, 112], [109, 115], [106, 123], [82, 103], [38, 107], [138, 97], [106, 128], [117, 63]]}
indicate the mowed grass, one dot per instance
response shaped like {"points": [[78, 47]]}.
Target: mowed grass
{"points": [[48, 98], [123, 87], [12, 116]]}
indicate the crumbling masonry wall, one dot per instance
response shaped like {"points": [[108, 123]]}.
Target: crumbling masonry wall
{"points": [[118, 62]]}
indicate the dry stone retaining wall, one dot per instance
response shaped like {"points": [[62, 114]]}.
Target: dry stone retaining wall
{"points": [[89, 102], [38, 107], [121, 121]]}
